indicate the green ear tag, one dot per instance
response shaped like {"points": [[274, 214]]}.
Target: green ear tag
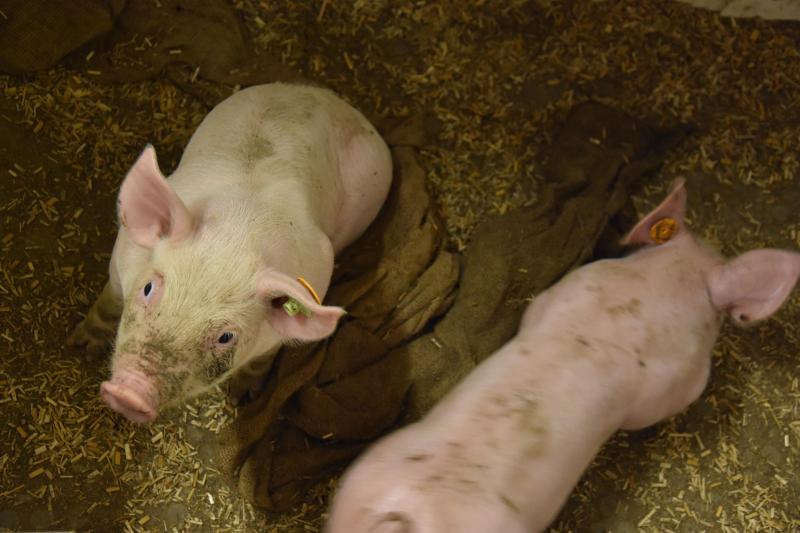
{"points": [[292, 307]]}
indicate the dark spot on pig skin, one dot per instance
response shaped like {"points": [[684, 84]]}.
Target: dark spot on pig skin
{"points": [[256, 148], [499, 400], [466, 482], [418, 457], [633, 308], [493, 444], [532, 427], [508, 503], [642, 363], [582, 341], [524, 351]]}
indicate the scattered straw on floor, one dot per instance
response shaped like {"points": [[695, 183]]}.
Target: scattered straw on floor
{"points": [[497, 80]]}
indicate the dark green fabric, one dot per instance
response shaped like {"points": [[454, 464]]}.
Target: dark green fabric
{"points": [[35, 34]]}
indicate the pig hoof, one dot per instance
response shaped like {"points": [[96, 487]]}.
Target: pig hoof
{"points": [[94, 340], [237, 391]]}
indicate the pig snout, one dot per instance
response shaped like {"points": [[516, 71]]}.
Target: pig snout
{"points": [[131, 394]]}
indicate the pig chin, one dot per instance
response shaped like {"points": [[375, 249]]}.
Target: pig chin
{"points": [[132, 394]]}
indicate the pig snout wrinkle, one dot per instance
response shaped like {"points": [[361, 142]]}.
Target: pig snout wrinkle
{"points": [[132, 395]]}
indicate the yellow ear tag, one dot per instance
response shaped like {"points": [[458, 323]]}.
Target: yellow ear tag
{"points": [[293, 307], [663, 230]]}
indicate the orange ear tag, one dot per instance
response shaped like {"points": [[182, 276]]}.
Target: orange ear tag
{"points": [[663, 230], [310, 289]]}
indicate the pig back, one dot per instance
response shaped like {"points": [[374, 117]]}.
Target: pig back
{"points": [[646, 318], [272, 146]]}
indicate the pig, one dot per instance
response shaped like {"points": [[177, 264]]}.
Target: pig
{"points": [[616, 344], [218, 265]]}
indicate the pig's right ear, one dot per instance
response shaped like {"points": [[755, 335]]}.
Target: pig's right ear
{"points": [[148, 207], [755, 284], [662, 223]]}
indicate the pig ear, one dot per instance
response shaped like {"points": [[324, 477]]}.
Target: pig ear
{"points": [[148, 207], [312, 323], [755, 284], [671, 211]]}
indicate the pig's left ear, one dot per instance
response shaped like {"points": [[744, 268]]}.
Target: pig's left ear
{"points": [[662, 223], [148, 207], [293, 311], [755, 284]]}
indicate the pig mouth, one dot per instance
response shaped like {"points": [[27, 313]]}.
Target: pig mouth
{"points": [[131, 394]]}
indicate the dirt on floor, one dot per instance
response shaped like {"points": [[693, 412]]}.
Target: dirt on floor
{"points": [[495, 79]]}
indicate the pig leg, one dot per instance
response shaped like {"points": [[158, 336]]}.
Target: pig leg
{"points": [[97, 330], [249, 380], [365, 165]]}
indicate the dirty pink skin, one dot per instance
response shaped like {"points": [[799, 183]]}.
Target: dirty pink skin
{"points": [[617, 344], [276, 180]]}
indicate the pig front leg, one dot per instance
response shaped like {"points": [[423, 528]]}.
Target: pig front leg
{"points": [[97, 330], [248, 381]]}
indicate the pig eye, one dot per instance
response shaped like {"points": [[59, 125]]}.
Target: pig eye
{"points": [[226, 338], [152, 289]]}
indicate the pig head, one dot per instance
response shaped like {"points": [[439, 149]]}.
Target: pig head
{"points": [[231, 256], [620, 343]]}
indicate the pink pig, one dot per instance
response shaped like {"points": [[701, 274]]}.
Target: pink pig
{"points": [[617, 344], [230, 257]]}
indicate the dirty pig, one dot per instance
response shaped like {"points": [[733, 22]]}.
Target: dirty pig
{"points": [[230, 257], [617, 344]]}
